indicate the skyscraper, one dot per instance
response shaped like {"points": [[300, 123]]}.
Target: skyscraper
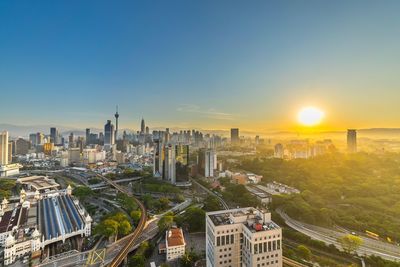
{"points": [[71, 140], [158, 158], [33, 139], [278, 151], [39, 138], [53, 135], [210, 163], [170, 164], [108, 135], [182, 162], [352, 140], [142, 127], [88, 141], [116, 124], [235, 135], [4, 148]]}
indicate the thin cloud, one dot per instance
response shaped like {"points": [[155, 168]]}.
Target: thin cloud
{"points": [[208, 113]]}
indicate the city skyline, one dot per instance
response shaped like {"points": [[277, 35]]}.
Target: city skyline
{"points": [[214, 65]]}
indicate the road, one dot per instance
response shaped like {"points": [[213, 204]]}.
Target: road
{"points": [[90, 258], [123, 252], [223, 203], [286, 261], [328, 236]]}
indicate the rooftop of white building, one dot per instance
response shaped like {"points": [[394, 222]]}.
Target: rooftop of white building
{"points": [[254, 219]]}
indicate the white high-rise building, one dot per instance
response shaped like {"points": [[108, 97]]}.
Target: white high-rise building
{"points": [[4, 148], [6, 168], [170, 164], [244, 237], [210, 163]]}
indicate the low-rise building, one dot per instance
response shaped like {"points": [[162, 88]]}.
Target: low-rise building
{"points": [[175, 244]]}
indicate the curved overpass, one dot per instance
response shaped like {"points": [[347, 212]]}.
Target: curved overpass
{"points": [[138, 230]]}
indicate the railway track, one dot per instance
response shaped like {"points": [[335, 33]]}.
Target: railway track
{"points": [[286, 261], [138, 230], [292, 263]]}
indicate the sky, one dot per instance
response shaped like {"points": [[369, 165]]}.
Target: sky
{"points": [[204, 64]]}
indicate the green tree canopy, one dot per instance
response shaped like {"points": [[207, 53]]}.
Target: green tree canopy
{"points": [[304, 252], [350, 243], [165, 222]]}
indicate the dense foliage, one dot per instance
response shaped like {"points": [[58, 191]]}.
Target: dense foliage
{"points": [[5, 188], [358, 191], [82, 192], [143, 252], [193, 219], [116, 224], [239, 195]]}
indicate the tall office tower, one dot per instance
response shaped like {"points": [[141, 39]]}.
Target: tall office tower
{"points": [[10, 149], [88, 141], [257, 140], [235, 135], [167, 135], [147, 130], [4, 148], [71, 140], [116, 115], [33, 139], [243, 237], [101, 138], [210, 163], [158, 158], [142, 127], [54, 135], [169, 164], [40, 139], [278, 151], [108, 135], [352, 141], [22, 146], [182, 162]]}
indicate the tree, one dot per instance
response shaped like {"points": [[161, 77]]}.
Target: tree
{"points": [[82, 192], [107, 228], [188, 259], [304, 252], [350, 243], [124, 227], [163, 203], [137, 261], [165, 222], [211, 203], [195, 219], [136, 215]]}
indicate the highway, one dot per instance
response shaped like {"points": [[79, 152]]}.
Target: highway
{"points": [[286, 261], [328, 236]]}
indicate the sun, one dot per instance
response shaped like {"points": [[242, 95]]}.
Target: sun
{"points": [[310, 116]]}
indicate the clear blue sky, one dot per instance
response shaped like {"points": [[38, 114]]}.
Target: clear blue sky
{"points": [[211, 64]]}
